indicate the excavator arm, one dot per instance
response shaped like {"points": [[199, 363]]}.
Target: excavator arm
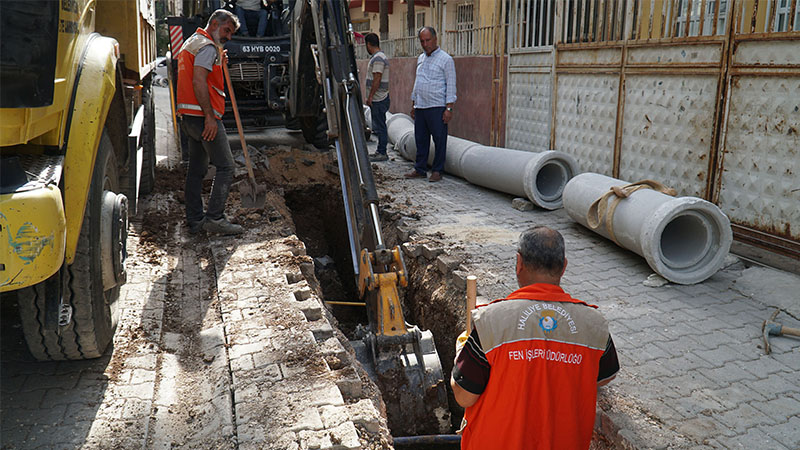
{"points": [[400, 357]]}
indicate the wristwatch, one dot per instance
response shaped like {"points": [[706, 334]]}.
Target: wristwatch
{"points": [[450, 109]]}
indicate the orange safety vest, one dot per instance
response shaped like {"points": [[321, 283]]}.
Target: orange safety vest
{"points": [[187, 101], [544, 349]]}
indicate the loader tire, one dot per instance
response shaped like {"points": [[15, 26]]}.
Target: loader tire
{"points": [[94, 311], [149, 144], [315, 130], [292, 123]]}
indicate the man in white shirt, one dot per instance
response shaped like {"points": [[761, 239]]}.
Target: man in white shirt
{"points": [[432, 99]]}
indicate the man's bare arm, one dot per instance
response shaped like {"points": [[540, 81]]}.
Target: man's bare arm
{"points": [[463, 396]]}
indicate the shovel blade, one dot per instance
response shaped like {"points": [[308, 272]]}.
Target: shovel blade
{"points": [[253, 195]]}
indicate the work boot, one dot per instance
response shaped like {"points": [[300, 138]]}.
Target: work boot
{"points": [[414, 174], [222, 226], [196, 227], [435, 176], [378, 157]]}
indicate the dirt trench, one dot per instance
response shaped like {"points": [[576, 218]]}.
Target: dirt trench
{"points": [[434, 298], [304, 198]]}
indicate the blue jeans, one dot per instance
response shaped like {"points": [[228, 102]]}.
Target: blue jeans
{"points": [[218, 152], [262, 20], [428, 122], [378, 110]]}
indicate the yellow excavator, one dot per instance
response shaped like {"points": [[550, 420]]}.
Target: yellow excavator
{"points": [[400, 357], [77, 148]]}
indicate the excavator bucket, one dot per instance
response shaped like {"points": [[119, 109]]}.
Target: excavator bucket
{"points": [[399, 357], [409, 374]]}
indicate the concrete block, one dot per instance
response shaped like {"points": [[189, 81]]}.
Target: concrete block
{"points": [[345, 436], [311, 310], [267, 371], [429, 251], [327, 394], [302, 294], [244, 362], [365, 414], [322, 331], [522, 204], [306, 419], [786, 432], [404, 233], [314, 440], [348, 382], [743, 417], [238, 350], [293, 278], [333, 416], [753, 438], [459, 278], [447, 263], [412, 250], [332, 346], [778, 408]]}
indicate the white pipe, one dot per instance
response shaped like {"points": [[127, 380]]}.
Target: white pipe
{"points": [[540, 177], [683, 239], [367, 117]]}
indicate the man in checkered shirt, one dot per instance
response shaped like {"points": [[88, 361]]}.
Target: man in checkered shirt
{"points": [[432, 101]]}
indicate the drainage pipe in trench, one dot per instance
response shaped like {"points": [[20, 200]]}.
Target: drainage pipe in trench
{"points": [[540, 177], [683, 239], [410, 441]]}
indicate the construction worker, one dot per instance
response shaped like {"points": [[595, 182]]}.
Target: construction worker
{"points": [[528, 372], [201, 103]]}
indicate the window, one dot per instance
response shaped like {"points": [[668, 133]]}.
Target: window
{"points": [[420, 20], [782, 11], [464, 17], [361, 25], [694, 18]]}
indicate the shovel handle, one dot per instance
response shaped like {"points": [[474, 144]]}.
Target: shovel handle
{"points": [[472, 293], [235, 108]]}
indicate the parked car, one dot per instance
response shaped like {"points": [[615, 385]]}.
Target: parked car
{"points": [[160, 77]]}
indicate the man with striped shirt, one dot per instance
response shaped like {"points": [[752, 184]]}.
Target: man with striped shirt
{"points": [[528, 372], [432, 100], [378, 96]]}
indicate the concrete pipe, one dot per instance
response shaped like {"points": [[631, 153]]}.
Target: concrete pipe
{"points": [[541, 177], [368, 116], [683, 239]]}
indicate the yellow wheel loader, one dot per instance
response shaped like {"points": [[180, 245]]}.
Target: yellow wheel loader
{"points": [[77, 148]]}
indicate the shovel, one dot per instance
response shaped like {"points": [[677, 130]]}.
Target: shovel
{"points": [[253, 195]]}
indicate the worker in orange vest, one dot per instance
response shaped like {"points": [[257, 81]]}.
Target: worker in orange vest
{"points": [[201, 104], [528, 372]]}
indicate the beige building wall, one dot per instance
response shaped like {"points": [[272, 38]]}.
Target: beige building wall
{"points": [[397, 20]]}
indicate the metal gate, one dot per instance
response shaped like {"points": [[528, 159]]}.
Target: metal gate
{"points": [[703, 95]]}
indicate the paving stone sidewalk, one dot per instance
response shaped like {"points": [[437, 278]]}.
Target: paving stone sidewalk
{"points": [[693, 374], [294, 384]]}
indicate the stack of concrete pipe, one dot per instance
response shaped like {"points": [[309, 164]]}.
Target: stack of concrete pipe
{"points": [[683, 239], [541, 177]]}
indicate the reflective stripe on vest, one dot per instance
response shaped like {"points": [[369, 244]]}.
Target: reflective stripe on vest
{"points": [[195, 108], [187, 101]]}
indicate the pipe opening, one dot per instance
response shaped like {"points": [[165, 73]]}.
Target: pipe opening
{"points": [[551, 179], [686, 240]]}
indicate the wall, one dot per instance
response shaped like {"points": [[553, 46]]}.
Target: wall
{"points": [[710, 110], [472, 117]]}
